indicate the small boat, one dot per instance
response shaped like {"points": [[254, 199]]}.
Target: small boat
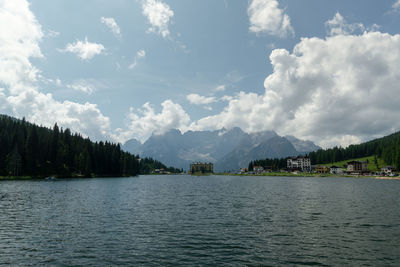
{"points": [[50, 178]]}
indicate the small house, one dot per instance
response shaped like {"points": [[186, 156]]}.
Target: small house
{"points": [[321, 169], [336, 170]]}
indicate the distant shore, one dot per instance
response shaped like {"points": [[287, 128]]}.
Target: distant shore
{"points": [[271, 174], [23, 178], [317, 175]]}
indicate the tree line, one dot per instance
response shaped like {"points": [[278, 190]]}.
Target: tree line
{"points": [[148, 165], [386, 148], [31, 150], [274, 164]]}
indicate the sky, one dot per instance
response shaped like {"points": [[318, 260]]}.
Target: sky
{"points": [[321, 70]]}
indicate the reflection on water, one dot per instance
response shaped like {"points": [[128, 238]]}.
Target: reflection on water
{"points": [[211, 220]]}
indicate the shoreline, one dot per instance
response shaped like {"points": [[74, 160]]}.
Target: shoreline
{"points": [[309, 175], [312, 175], [43, 178]]}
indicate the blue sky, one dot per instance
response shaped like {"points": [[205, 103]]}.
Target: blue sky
{"points": [[322, 70]]}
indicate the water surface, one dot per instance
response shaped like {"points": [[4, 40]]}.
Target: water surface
{"points": [[211, 220]]}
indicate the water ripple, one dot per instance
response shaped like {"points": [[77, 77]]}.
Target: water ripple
{"points": [[214, 220]]}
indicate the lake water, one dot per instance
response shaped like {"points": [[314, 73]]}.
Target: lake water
{"points": [[211, 220]]}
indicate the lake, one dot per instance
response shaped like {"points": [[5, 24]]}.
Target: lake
{"points": [[210, 220]]}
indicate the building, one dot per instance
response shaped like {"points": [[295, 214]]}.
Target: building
{"points": [[336, 170], [267, 169], [201, 167], [301, 163], [258, 169], [321, 169], [243, 170], [357, 166]]}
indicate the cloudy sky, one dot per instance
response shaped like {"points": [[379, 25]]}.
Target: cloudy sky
{"points": [[327, 71]]}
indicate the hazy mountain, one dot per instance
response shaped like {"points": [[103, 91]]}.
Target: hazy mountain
{"points": [[179, 150], [132, 146], [302, 146], [164, 148], [227, 149], [274, 147]]}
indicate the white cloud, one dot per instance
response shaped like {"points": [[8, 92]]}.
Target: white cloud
{"points": [[266, 17], [396, 4], [197, 99], [19, 42], [145, 121], [220, 88], [52, 33], [84, 49], [139, 55], [337, 90], [227, 98], [158, 15], [83, 86], [112, 25], [44, 109], [339, 26]]}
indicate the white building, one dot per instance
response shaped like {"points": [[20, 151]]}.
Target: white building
{"points": [[302, 163], [336, 170]]}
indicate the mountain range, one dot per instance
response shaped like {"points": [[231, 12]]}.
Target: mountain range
{"points": [[229, 150]]}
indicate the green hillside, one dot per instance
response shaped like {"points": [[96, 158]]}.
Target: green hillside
{"points": [[372, 165], [387, 149]]}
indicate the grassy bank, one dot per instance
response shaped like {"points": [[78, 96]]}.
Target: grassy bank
{"points": [[371, 165]]}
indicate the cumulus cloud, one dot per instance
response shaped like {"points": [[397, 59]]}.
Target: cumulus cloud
{"points": [[112, 25], [139, 55], [158, 15], [338, 25], [266, 17], [145, 121], [244, 110], [44, 109], [84, 49], [197, 99], [19, 42], [338, 90]]}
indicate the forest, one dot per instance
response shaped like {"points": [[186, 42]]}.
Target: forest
{"points": [[273, 164], [386, 148], [36, 151]]}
